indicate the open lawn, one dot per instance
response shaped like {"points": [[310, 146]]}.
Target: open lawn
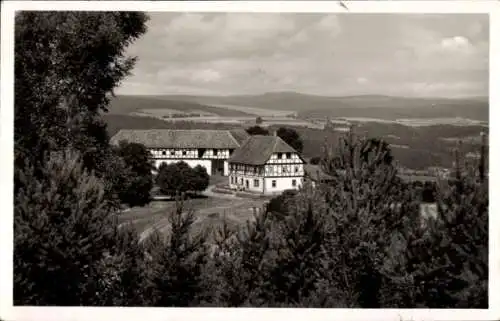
{"points": [[209, 213]]}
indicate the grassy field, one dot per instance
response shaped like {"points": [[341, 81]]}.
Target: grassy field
{"points": [[209, 213], [263, 112]]}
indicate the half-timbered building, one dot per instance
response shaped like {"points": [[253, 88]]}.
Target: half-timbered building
{"points": [[265, 164], [208, 148]]}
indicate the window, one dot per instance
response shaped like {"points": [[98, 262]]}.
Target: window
{"points": [[232, 180], [285, 169], [279, 155], [288, 155], [273, 183], [255, 183], [163, 153], [296, 169], [184, 153], [172, 153], [294, 182]]}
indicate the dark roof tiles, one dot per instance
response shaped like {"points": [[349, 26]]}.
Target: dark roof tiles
{"points": [[257, 150], [178, 138]]}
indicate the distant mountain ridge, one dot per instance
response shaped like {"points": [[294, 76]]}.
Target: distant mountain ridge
{"points": [[377, 106]]}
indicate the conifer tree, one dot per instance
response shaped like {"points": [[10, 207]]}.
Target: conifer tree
{"points": [[368, 209], [177, 262], [448, 263], [240, 263], [62, 229], [297, 268]]}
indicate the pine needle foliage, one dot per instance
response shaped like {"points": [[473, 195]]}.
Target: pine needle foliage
{"points": [[177, 262], [61, 228]]}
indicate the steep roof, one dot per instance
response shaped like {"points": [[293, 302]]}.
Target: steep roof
{"points": [[180, 138], [257, 150], [240, 135]]}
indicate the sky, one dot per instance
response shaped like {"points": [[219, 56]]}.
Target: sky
{"points": [[414, 55]]}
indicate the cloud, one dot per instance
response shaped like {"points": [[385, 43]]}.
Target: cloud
{"points": [[240, 53], [456, 43], [361, 80], [206, 75]]}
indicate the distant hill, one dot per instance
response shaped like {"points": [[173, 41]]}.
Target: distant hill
{"points": [[376, 106], [125, 105]]}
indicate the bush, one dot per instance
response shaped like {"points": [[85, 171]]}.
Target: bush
{"points": [[178, 178], [279, 206]]}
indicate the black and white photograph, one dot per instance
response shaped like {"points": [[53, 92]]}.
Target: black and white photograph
{"points": [[248, 158]]}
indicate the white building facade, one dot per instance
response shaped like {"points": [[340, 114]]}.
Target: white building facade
{"points": [[267, 165], [208, 148]]}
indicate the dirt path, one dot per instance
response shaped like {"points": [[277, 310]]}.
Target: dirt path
{"points": [[210, 193]]}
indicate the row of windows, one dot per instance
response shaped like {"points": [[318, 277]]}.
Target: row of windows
{"points": [[269, 169], [184, 152], [287, 155], [256, 182], [284, 169]]}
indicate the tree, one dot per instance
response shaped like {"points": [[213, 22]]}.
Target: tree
{"points": [[200, 178], [239, 266], [176, 267], [291, 137], [67, 244], [257, 130], [374, 146], [175, 178], [140, 178], [66, 67], [315, 160], [62, 230], [369, 211], [297, 268], [258, 120], [446, 263]]}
